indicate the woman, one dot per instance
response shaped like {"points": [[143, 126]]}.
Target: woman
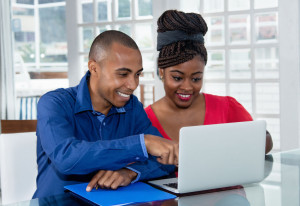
{"points": [[181, 62]]}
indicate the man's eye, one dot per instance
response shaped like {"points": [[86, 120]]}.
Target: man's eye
{"points": [[139, 74], [123, 74], [177, 78]]}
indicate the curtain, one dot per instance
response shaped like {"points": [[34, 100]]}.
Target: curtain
{"points": [[7, 91]]}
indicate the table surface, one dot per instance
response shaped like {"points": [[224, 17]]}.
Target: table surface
{"points": [[279, 188]]}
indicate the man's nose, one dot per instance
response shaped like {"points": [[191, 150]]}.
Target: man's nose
{"points": [[132, 83]]}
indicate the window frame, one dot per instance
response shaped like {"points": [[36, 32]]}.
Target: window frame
{"points": [[75, 55], [289, 52]]}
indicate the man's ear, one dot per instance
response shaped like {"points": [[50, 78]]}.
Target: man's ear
{"points": [[93, 67]]}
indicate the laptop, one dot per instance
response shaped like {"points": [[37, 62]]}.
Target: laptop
{"points": [[218, 156]]}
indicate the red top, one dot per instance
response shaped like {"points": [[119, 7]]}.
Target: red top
{"points": [[218, 109]]}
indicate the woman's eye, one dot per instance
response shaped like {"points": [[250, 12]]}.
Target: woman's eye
{"points": [[196, 79], [177, 78]]}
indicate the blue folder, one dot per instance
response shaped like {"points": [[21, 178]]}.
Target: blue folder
{"points": [[133, 193]]}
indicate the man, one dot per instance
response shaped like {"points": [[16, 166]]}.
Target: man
{"points": [[98, 131]]}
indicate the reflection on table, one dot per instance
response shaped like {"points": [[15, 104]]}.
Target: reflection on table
{"points": [[279, 188]]}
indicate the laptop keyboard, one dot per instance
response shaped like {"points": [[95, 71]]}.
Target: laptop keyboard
{"points": [[173, 185]]}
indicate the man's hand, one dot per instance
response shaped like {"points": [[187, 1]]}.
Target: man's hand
{"points": [[111, 179], [165, 150]]}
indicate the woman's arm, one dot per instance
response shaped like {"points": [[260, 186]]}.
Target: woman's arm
{"points": [[269, 142]]}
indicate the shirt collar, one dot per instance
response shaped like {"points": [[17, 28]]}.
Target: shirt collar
{"points": [[83, 98]]}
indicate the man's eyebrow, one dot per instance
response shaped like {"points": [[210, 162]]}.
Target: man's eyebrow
{"points": [[124, 70], [128, 70]]}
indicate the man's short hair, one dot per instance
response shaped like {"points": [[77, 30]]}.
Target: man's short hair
{"points": [[103, 42]]}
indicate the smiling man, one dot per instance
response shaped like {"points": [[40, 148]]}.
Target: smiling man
{"points": [[98, 131]]}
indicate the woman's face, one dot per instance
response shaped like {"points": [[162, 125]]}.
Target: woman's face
{"points": [[183, 82]]}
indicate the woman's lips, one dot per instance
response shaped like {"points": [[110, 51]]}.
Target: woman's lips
{"points": [[184, 97]]}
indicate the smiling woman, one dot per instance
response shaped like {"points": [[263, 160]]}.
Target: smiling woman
{"points": [[181, 61]]}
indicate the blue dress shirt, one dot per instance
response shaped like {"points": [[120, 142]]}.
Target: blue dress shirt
{"points": [[74, 141]]}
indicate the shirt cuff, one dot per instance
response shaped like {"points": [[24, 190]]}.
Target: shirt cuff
{"points": [[138, 174], [142, 139]]}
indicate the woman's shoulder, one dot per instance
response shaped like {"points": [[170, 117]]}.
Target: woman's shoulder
{"points": [[220, 103], [227, 108], [156, 106], [148, 109], [212, 98]]}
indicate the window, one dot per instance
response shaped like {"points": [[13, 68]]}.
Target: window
{"points": [[40, 51], [133, 17], [242, 43]]}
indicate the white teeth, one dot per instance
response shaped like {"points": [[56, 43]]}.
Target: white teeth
{"points": [[184, 96], [123, 95]]}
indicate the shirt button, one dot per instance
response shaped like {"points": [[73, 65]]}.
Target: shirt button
{"points": [[137, 158], [104, 123]]}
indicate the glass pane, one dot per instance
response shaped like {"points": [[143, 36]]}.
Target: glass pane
{"points": [[148, 66], [137, 92], [144, 8], [104, 10], [53, 46], [235, 5], [242, 93], [240, 64], [266, 27], [145, 94], [213, 6], [239, 29], [101, 29], [87, 34], [215, 67], [267, 98], [84, 59], [124, 9], [87, 11], [215, 34], [23, 28], [214, 88], [143, 33], [266, 63], [125, 28], [260, 4], [148, 94], [31, 2], [49, 1]]}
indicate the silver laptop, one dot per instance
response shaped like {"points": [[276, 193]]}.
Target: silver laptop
{"points": [[217, 156]]}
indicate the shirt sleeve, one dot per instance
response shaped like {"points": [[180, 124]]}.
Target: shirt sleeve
{"points": [[236, 111], [72, 155], [151, 168]]}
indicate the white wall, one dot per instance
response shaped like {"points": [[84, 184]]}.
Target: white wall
{"points": [[289, 73]]}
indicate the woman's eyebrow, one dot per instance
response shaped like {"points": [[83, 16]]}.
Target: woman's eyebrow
{"points": [[177, 71]]}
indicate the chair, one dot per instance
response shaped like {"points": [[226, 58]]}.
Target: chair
{"points": [[18, 160]]}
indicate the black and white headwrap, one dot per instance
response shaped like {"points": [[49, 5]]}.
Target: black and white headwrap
{"points": [[169, 37]]}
